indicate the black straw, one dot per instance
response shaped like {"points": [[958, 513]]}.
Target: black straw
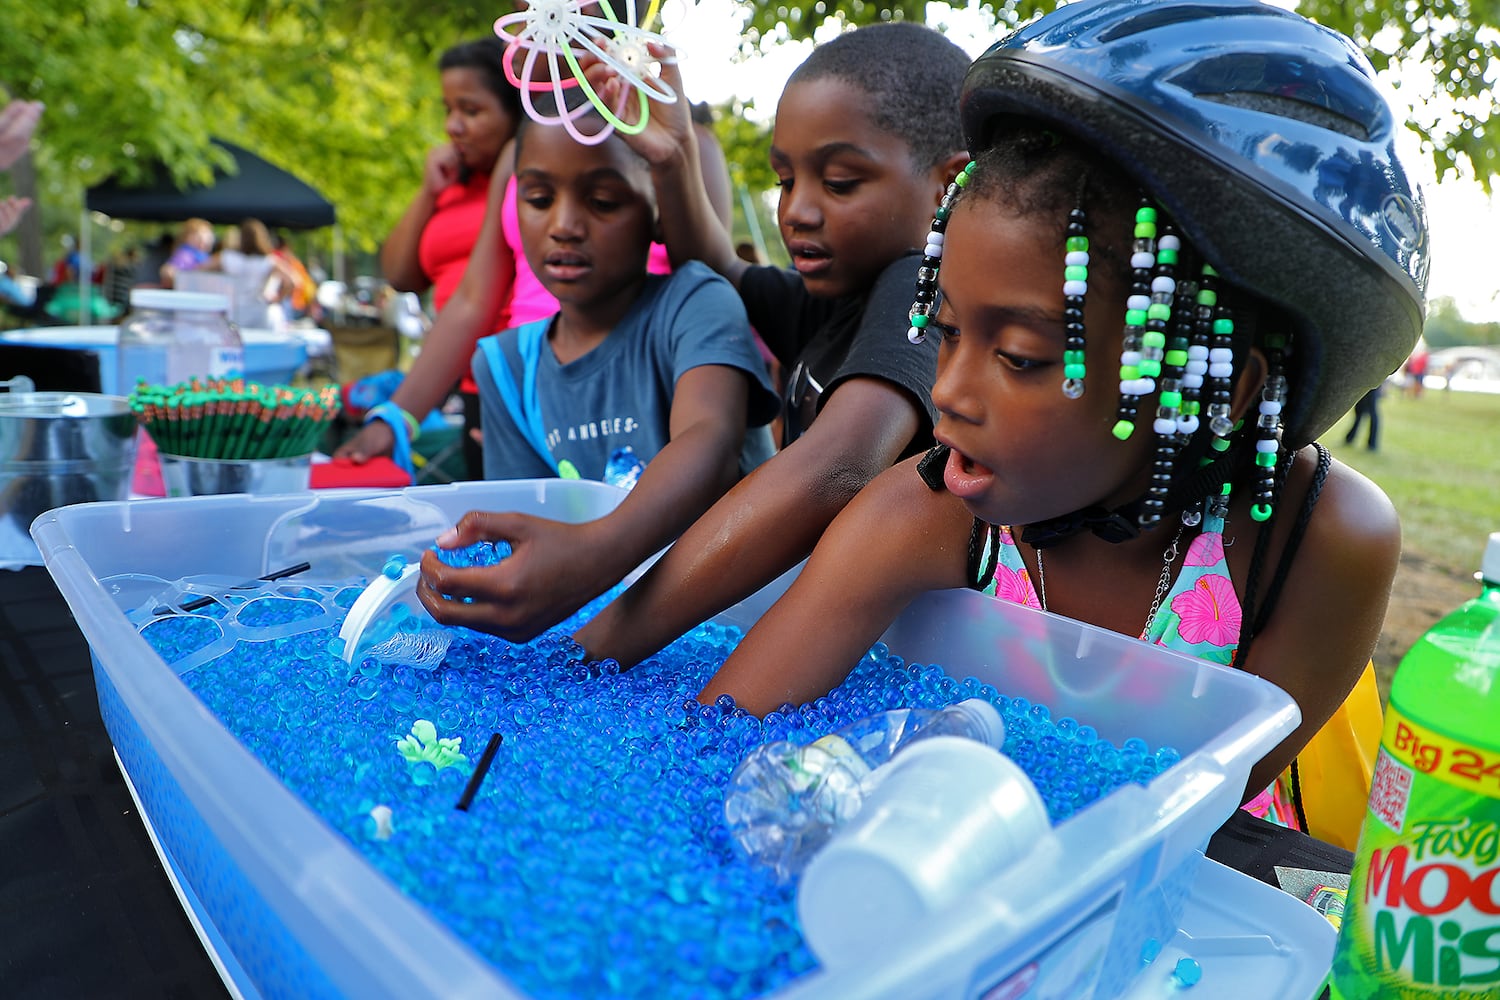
{"points": [[480, 770], [280, 574]]}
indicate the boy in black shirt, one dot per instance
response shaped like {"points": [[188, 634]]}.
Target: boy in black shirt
{"points": [[866, 140]]}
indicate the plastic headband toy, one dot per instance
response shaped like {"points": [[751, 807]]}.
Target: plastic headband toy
{"points": [[554, 28]]}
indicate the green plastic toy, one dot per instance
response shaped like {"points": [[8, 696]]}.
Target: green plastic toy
{"points": [[423, 744]]}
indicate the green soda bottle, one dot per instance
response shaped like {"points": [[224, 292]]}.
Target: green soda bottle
{"points": [[1422, 921]]}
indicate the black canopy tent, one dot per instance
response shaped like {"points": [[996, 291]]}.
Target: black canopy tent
{"points": [[259, 190]]}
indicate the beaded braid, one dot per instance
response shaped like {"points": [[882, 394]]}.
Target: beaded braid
{"points": [[1220, 331], [1075, 290], [1169, 367], [925, 304], [1196, 365], [1138, 366], [1268, 426]]}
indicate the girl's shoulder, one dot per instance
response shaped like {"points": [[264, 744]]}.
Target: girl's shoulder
{"points": [[1353, 524], [1328, 569]]}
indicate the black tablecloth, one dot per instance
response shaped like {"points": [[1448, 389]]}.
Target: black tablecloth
{"points": [[86, 909]]}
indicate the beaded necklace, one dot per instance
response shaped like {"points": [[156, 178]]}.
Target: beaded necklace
{"points": [[1163, 584]]}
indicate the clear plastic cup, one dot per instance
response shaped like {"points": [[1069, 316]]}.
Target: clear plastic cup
{"points": [[950, 813]]}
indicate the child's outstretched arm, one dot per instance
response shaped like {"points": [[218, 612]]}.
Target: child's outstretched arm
{"points": [[895, 541], [469, 314], [692, 227], [762, 527], [556, 568], [1327, 620]]}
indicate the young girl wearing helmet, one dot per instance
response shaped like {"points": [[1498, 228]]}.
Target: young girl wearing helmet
{"points": [[1184, 248]]}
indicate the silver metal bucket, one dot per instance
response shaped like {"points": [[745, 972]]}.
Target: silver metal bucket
{"points": [[196, 477], [59, 448]]}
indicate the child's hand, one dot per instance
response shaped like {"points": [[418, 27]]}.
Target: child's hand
{"points": [[553, 570], [442, 168], [11, 210], [670, 126], [17, 121], [373, 440]]}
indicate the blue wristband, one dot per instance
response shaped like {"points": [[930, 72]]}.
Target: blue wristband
{"points": [[394, 417]]}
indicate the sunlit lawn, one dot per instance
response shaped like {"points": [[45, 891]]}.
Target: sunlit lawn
{"points": [[1439, 461]]}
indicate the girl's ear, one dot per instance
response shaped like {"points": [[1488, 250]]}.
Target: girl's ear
{"points": [[1247, 387], [945, 171]]}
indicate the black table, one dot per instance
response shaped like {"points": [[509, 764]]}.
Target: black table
{"points": [[86, 909]]}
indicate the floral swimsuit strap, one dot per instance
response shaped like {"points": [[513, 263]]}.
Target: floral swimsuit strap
{"points": [[1200, 614]]}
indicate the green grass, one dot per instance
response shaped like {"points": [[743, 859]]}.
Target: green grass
{"points": [[1439, 462]]}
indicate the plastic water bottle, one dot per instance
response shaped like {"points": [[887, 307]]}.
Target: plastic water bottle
{"points": [[171, 337], [624, 468], [784, 801], [1423, 915]]}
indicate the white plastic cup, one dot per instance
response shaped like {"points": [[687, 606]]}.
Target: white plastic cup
{"points": [[948, 814]]}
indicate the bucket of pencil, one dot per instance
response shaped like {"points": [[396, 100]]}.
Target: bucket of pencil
{"points": [[233, 436]]}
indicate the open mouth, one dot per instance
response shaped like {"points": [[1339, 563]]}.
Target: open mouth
{"points": [[809, 258], [565, 266], [964, 477]]}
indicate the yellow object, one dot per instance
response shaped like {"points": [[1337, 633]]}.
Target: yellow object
{"points": [[1335, 768]]}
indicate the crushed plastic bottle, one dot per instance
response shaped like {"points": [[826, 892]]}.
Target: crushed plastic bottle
{"points": [[784, 801]]}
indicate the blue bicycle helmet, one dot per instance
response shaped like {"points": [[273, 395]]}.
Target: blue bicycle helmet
{"points": [[1270, 143]]}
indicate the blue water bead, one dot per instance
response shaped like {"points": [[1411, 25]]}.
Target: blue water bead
{"points": [[1187, 972], [394, 566], [1104, 754], [287, 697], [366, 688]]}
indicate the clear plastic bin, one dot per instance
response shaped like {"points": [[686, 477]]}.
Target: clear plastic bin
{"points": [[302, 914]]}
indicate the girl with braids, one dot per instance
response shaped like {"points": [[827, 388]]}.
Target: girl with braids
{"points": [[1183, 249]]}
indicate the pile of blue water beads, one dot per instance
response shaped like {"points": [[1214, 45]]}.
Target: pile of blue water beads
{"points": [[594, 860], [477, 554]]}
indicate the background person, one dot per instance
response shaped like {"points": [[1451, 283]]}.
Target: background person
{"points": [[257, 276], [195, 242]]}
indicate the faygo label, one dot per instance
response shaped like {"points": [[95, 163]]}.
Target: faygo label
{"points": [[1424, 898]]}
